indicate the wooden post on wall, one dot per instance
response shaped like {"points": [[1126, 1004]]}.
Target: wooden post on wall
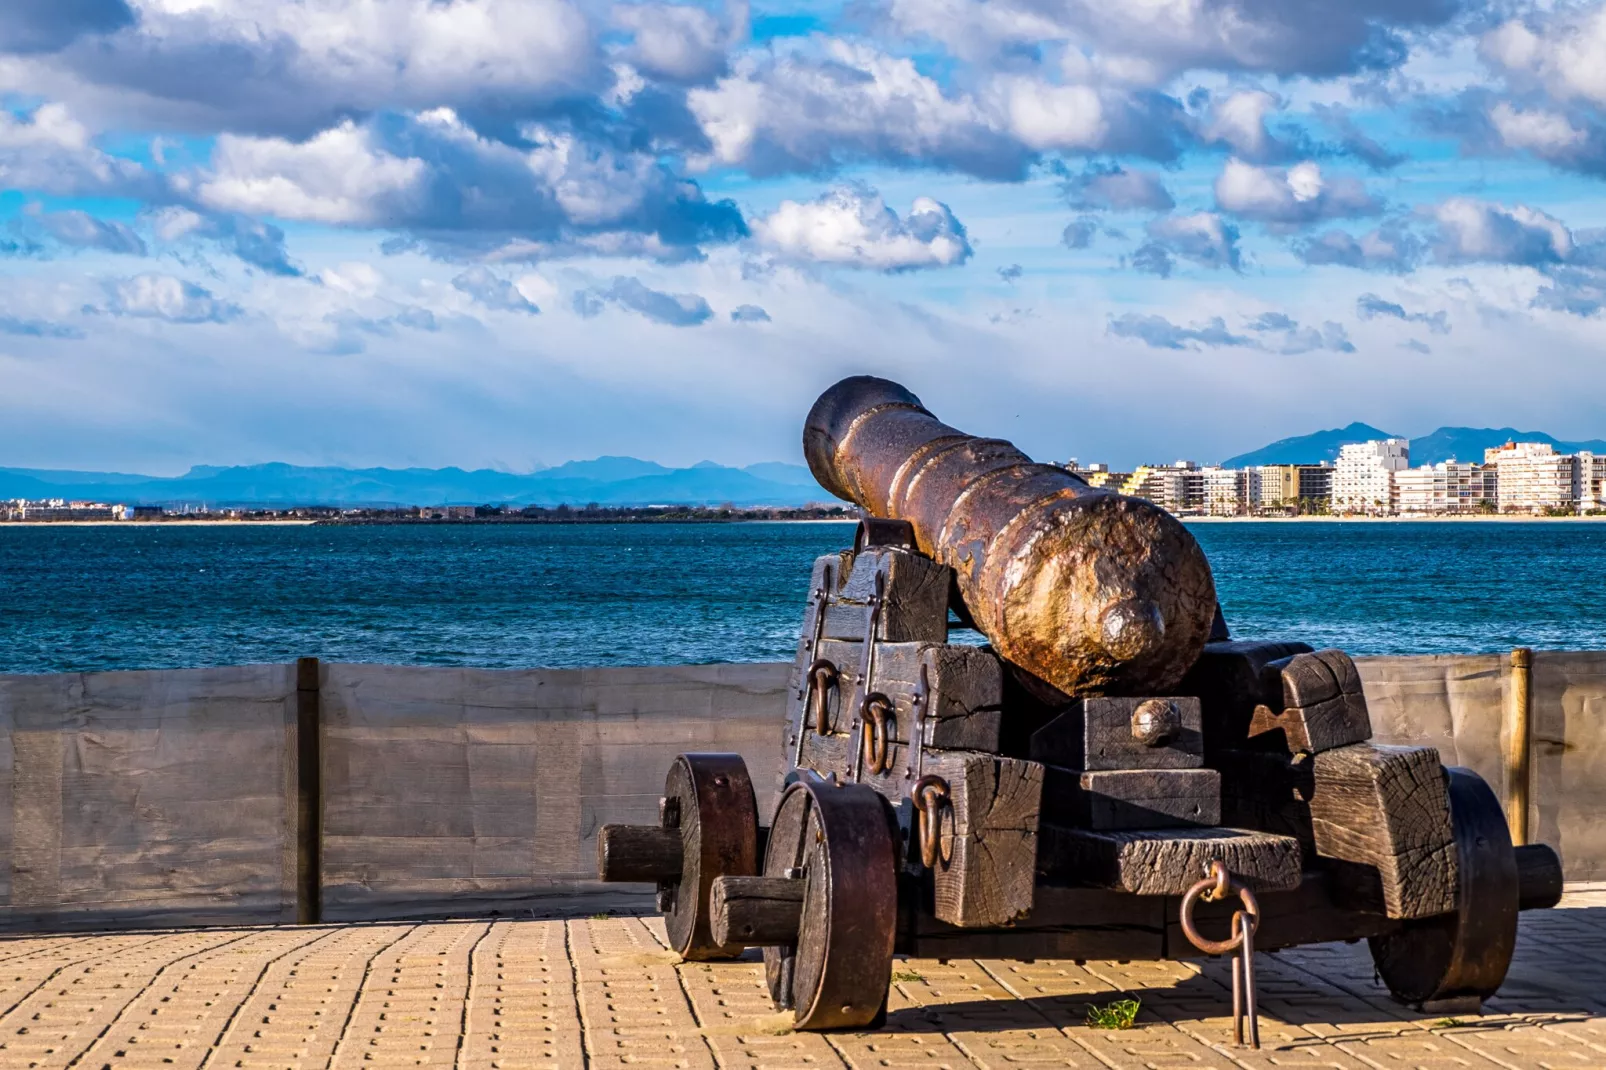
{"points": [[309, 794], [1519, 743]]}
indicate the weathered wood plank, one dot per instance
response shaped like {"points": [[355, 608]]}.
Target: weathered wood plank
{"points": [[1227, 680], [1133, 798], [1064, 923], [756, 911], [1386, 809], [914, 598], [1166, 861], [638, 853], [1322, 705], [963, 686], [988, 843], [1097, 733]]}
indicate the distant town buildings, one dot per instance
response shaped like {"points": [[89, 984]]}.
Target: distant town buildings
{"points": [[61, 509], [1374, 479], [1363, 479]]}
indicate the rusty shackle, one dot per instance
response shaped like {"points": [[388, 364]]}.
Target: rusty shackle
{"points": [[877, 711], [821, 675], [1214, 888], [929, 794], [1091, 591]]}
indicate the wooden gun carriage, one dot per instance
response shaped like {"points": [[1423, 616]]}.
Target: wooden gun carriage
{"points": [[1092, 784]]}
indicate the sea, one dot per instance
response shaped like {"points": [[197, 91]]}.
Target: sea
{"points": [[80, 598]]}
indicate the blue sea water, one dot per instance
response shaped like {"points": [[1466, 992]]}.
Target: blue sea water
{"points": [[157, 596]]}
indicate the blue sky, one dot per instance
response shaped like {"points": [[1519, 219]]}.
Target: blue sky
{"points": [[510, 233]]}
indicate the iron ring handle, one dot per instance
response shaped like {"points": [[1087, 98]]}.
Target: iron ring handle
{"points": [[877, 743], [821, 674], [1218, 885], [929, 793]]}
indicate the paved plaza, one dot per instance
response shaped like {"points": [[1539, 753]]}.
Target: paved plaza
{"points": [[604, 992]]}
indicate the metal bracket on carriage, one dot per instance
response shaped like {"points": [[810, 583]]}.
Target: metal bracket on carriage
{"points": [[867, 680], [1218, 885]]}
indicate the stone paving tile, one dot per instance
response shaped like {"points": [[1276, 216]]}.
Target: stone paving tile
{"points": [[522, 1011], [55, 1022], [606, 993], [633, 1009], [300, 1007], [177, 1019], [411, 1008]]}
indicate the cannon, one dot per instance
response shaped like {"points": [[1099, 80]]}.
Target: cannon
{"points": [[1107, 774]]}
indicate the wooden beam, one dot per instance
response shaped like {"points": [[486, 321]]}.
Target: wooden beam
{"points": [[1133, 798], [639, 853], [756, 911], [1519, 743], [1538, 877], [1097, 733], [1167, 861], [1386, 809], [1321, 704], [986, 873], [309, 793], [1227, 679]]}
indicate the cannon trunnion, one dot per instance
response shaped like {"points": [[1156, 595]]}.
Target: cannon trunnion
{"points": [[942, 799]]}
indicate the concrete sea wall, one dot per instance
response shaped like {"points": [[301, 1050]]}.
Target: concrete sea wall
{"points": [[185, 797]]}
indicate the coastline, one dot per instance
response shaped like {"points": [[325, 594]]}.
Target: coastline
{"points": [[154, 523], [1428, 518], [1415, 519]]}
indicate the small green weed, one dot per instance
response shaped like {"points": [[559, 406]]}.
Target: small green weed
{"points": [[905, 975], [1118, 1015], [1448, 1023], [601, 917]]}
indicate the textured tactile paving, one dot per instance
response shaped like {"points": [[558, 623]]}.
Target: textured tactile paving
{"points": [[606, 993]]}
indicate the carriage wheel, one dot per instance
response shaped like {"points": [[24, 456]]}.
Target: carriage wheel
{"points": [[708, 828], [1465, 954], [837, 840]]}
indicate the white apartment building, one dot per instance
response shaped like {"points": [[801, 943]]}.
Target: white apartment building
{"points": [[1534, 477], [1447, 487], [1363, 481], [1591, 482], [1174, 487], [1229, 491]]}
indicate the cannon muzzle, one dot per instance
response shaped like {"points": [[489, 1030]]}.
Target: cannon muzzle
{"points": [[1094, 592]]}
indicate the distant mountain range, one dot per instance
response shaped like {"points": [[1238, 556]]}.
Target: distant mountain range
{"points": [[605, 481], [1445, 444]]}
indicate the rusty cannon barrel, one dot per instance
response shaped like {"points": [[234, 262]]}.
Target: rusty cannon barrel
{"points": [[1094, 592]]}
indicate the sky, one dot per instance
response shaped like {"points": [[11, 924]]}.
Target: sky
{"points": [[511, 233]]}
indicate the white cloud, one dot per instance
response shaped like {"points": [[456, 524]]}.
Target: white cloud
{"points": [[1239, 122], [355, 277], [1299, 195], [84, 231], [1046, 116], [1472, 230], [50, 151], [432, 173], [1203, 237], [800, 112], [167, 298], [1538, 130], [1566, 53], [274, 66], [341, 176], [491, 290], [677, 42], [1156, 40], [852, 226]]}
